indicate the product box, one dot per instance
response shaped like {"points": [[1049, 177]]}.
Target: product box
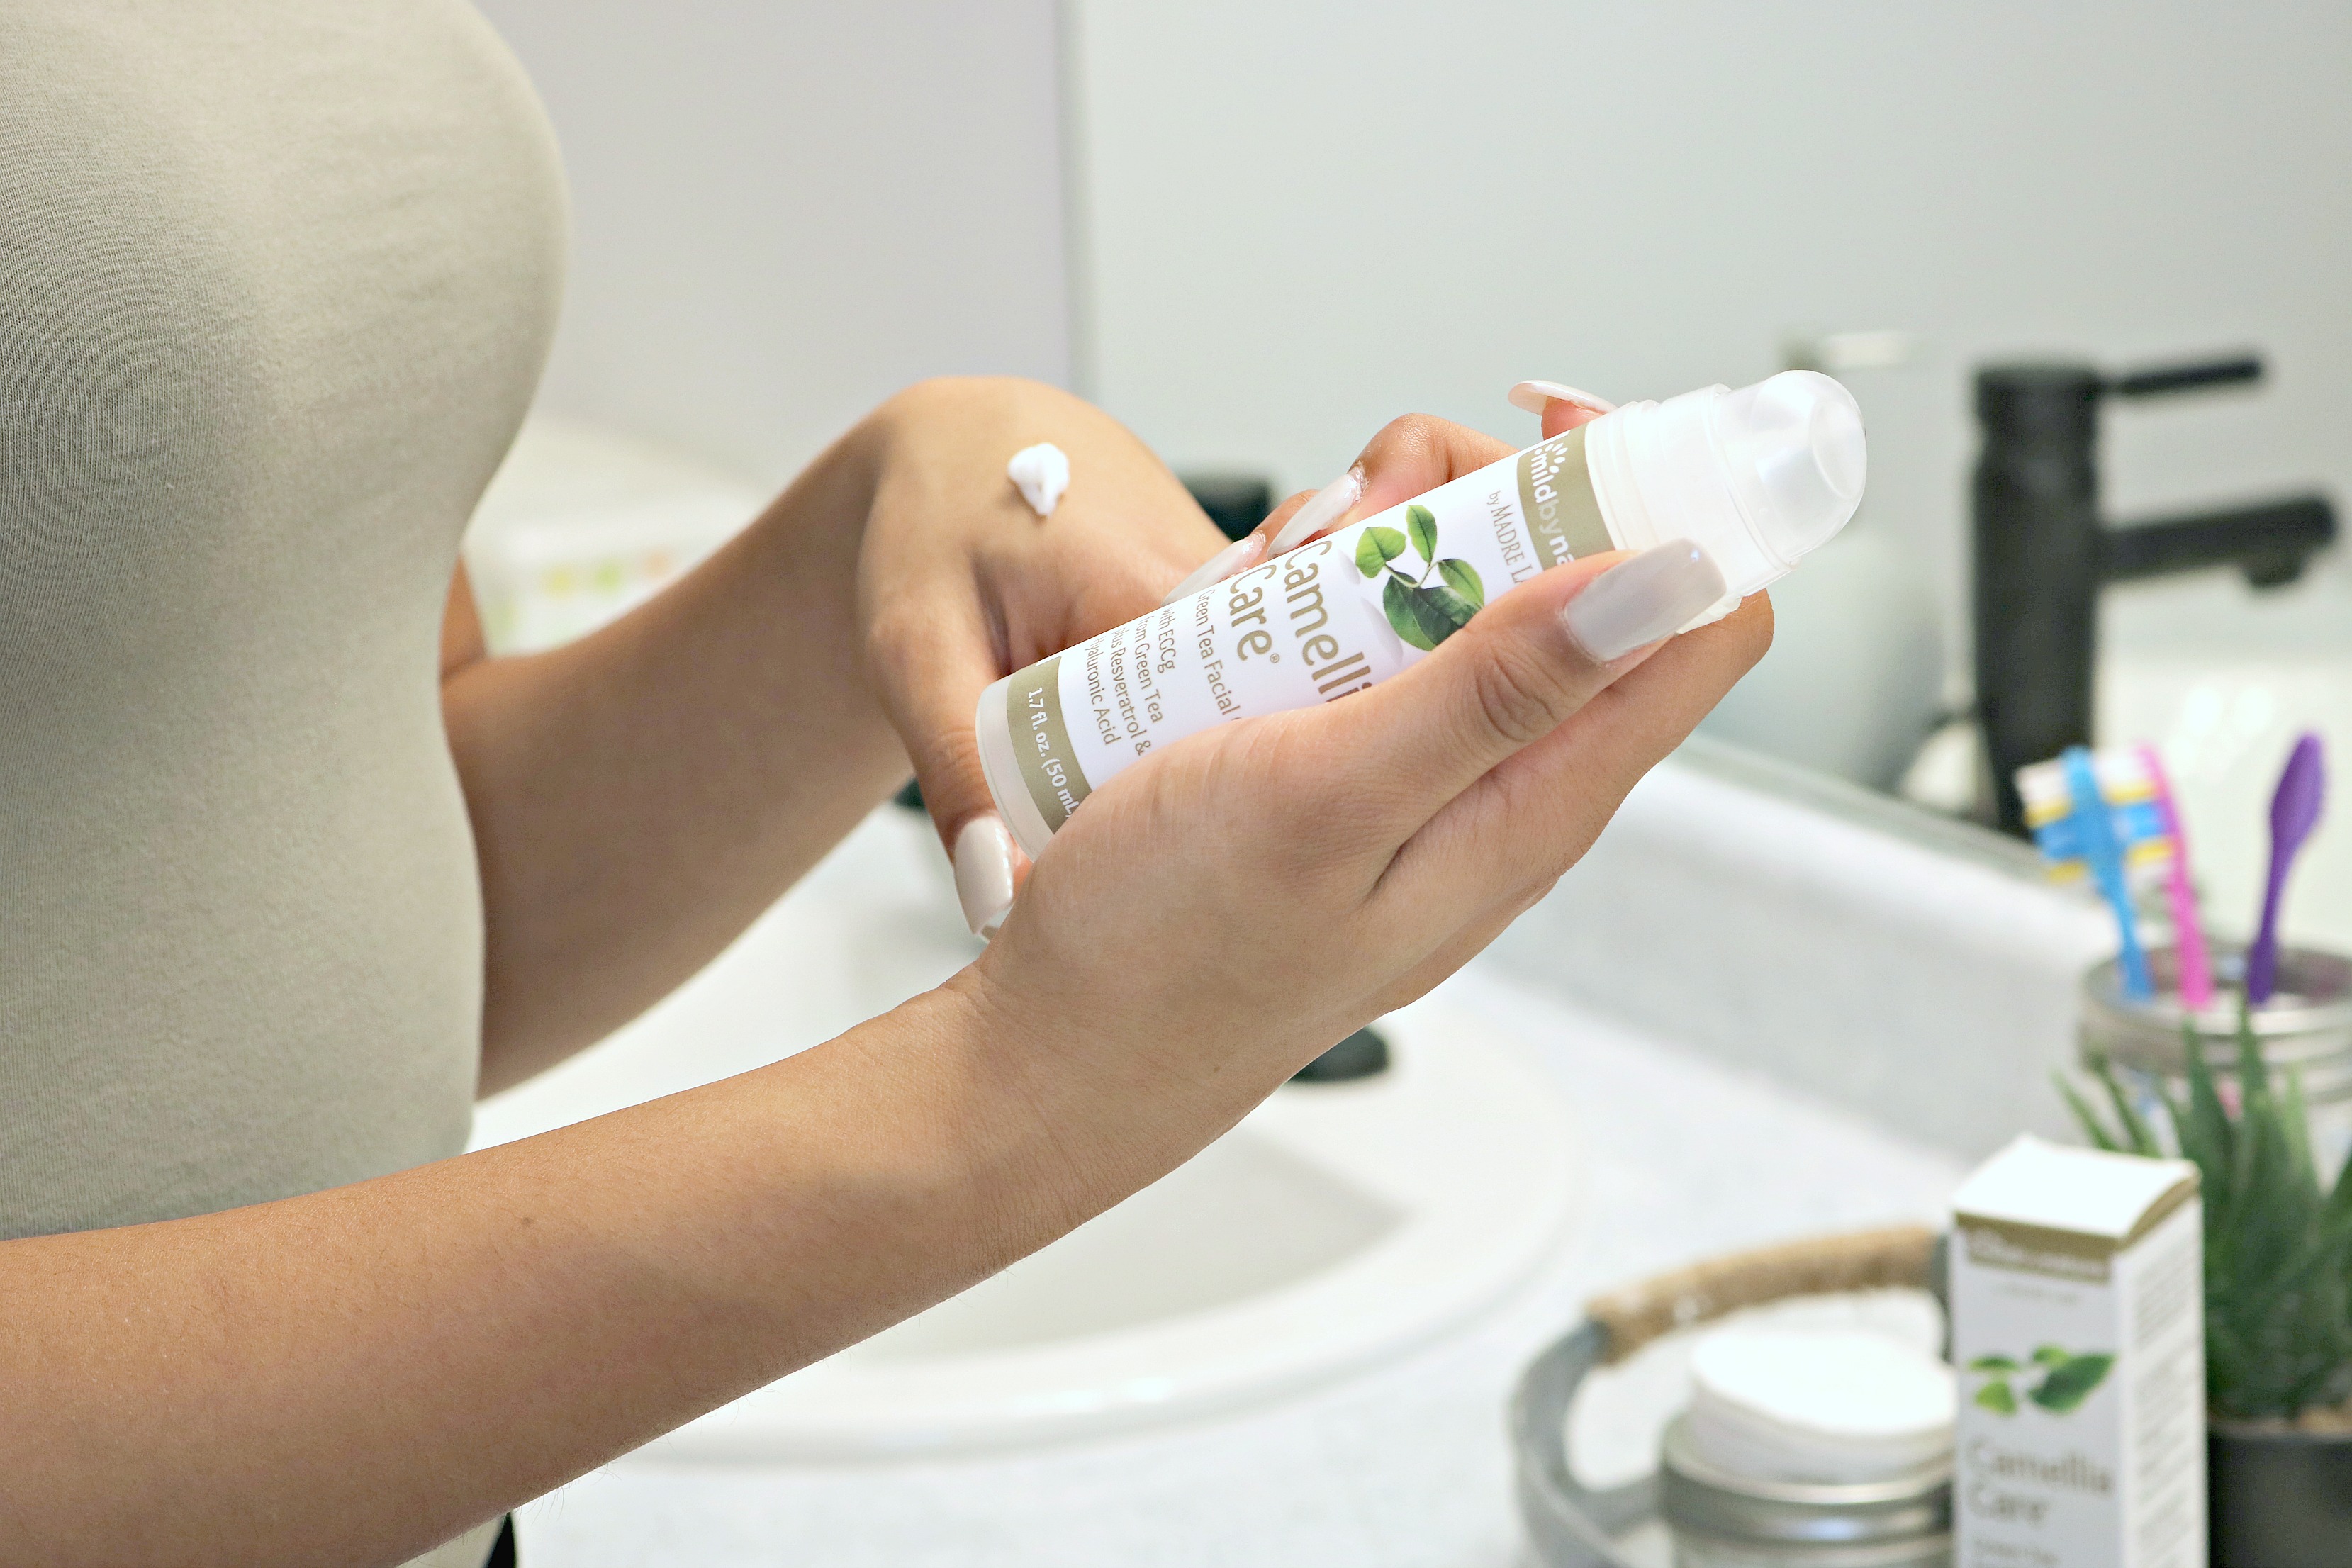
{"points": [[2078, 1328]]}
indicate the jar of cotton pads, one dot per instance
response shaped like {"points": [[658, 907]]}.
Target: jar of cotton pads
{"points": [[1811, 1449]]}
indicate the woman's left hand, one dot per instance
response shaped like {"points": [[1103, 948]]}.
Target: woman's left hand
{"points": [[961, 582]]}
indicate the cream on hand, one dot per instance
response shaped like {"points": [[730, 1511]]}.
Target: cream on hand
{"points": [[1041, 473], [1757, 479]]}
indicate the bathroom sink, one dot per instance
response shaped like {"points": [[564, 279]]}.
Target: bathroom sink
{"points": [[1337, 1225]]}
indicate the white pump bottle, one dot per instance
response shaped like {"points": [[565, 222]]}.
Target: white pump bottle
{"points": [[1756, 478]]}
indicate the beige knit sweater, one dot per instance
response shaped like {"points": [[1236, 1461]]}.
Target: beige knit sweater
{"points": [[277, 278]]}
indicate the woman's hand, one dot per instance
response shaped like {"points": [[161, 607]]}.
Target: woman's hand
{"points": [[638, 796], [960, 582], [1223, 911]]}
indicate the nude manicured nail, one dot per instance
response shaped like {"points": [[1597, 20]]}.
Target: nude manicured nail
{"points": [[983, 873], [1636, 602], [1532, 396], [1323, 511], [1239, 556]]}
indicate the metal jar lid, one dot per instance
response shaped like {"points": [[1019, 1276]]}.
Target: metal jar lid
{"points": [[1905, 1519], [2307, 1024]]}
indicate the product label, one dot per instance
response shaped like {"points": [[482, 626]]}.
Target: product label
{"points": [[1321, 623], [1556, 497], [2081, 1435], [1041, 740]]}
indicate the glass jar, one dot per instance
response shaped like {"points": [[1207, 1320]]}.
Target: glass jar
{"points": [[1722, 1520], [2306, 1028]]}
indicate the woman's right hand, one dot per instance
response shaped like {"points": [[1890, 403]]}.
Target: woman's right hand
{"points": [[1220, 914]]}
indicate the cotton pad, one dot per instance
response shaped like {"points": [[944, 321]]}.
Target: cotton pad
{"points": [[1042, 472], [1822, 1405]]}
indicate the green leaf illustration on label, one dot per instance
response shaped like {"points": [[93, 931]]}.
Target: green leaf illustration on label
{"points": [[2067, 1381], [1402, 600], [2070, 1382], [1449, 606], [1422, 523], [1462, 578], [1375, 548], [1423, 613]]}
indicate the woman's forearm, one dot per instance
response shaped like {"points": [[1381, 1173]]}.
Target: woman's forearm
{"points": [[355, 1376], [640, 795]]}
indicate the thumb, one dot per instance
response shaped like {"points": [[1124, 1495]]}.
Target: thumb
{"points": [[1520, 669], [930, 685], [988, 866]]}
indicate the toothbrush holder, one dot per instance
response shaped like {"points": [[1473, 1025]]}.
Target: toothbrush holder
{"points": [[2306, 1026]]}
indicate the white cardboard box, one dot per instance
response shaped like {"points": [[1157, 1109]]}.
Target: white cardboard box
{"points": [[2077, 1282]]}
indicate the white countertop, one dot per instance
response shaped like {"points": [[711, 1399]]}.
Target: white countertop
{"points": [[1404, 1466]]}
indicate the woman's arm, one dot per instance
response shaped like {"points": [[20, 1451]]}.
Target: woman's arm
{"points": [[355, 1376], [639, 797]]}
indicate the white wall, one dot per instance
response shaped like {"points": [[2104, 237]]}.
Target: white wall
{"points": [[1309, 218], [783, 210]]}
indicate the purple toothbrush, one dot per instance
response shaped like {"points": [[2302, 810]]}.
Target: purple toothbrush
{"points": [[2294, 812]]}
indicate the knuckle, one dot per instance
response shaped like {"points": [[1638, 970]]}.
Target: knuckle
{"points": [[1409, 433], [1516, 696]]}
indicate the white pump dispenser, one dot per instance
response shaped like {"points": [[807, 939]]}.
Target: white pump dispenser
{"points": [[1758, 478]]}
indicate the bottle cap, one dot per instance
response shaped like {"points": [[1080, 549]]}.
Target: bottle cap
{"points": [[1793, 449], [1758, 478]]}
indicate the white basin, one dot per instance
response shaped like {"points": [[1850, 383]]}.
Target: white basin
{"points": [[1336, 1224]]}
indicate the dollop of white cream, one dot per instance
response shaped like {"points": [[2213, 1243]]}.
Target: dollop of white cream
{"points": [[1042, 472]]}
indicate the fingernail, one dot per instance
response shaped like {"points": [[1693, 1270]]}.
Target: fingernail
{"points": [[983, 873], [1636, 602], [1323, 511], [1532, 396], [1239, 556]]}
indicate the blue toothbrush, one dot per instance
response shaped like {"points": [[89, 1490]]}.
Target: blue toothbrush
{"points": [[2102, 854]]}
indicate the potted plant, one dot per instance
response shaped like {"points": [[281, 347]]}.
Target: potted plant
{"points": [[2278, 1306]]}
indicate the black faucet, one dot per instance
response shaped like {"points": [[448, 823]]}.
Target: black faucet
{"points": [[2042, 553]]}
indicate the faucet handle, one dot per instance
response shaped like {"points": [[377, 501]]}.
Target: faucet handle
{"points": [[2188, 377]]}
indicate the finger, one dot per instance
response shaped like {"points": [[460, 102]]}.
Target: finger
{"points": [[1561, 407], [1410, 456], [1317, 515], [930, 670], [1230, 562], [935, 707], [988, 869], [1534, 815], [1558, 418], [1514, 673], [1416, 454]]}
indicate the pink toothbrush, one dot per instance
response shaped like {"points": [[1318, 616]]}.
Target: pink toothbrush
{"points": [[2196, 969]]}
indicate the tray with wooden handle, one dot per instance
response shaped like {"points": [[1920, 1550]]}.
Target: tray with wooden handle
{"points": [[1572, 1526]]}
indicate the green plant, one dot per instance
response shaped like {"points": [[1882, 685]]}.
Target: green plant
{"points": [[1424, 614], [2278, 1241], [2065, 1379]]}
